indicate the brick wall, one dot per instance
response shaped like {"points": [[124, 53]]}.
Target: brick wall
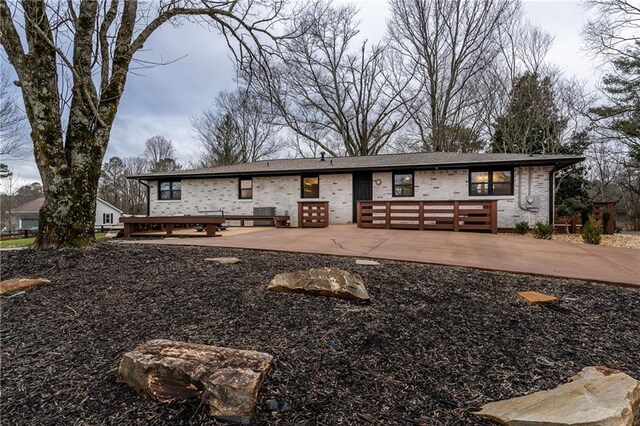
{"points": [[283, 192], [454, 185]]}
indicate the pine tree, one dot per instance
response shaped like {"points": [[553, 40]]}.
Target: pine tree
{"points": [[531, 123], [621, 113]]}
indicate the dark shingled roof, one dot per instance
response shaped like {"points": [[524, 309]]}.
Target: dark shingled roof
{"points": [[421, 160]]}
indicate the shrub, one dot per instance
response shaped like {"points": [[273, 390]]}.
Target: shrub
{"points": [[592, 231], [522, 227], [543, 231], [571, 206]]}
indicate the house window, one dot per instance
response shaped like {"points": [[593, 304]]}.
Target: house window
{"points": [[403, 184], [311, 187], [245, 191], [170, 190], [490, 182], [107, 218]]}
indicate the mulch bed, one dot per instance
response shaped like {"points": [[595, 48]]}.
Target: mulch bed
{"points": [[435, 344]]}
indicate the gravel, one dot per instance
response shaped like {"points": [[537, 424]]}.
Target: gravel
{"points": [[434, 345], [630, 241]]}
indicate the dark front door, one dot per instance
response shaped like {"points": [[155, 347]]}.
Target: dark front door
{"points": [[362, 190]]}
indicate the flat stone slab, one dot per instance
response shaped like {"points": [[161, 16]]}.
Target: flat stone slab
{"points": [[17, 284], [595, 396], [535, 297], [223, 260], [367, 262], [228, 380], [332, 282]]}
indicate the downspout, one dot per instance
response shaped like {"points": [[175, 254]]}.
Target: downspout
{"points": [[148, 195], [552, 194]]}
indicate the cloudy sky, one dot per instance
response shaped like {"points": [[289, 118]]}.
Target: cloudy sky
{"points": [[162, 100]]}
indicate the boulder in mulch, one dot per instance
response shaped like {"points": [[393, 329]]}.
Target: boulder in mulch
{"points": [[115, 231], [366, 262], [17, 284], [535, 297], [595, 396], [332, 282], [227, 380], [223, 260]]}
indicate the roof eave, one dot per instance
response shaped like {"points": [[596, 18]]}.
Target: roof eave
{"points": [[563, 162]]}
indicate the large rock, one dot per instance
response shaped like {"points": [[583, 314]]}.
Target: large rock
{"points": [[228, 380], [17, 284], [331, 282], [595, 396], [223, 260]]}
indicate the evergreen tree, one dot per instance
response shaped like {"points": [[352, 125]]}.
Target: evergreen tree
{"points": [[621, 113], [531, 124]]}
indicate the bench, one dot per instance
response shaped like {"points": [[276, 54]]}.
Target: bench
{"points": [[279, 221], [211, 222]]}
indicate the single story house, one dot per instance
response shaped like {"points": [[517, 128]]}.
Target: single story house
{"points": [[27, 214], [522, 185]]}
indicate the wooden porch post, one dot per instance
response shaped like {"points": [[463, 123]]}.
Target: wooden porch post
{"points": [[421, 215], [456, 216], [300, 215], [388, 215], [494, 217], [359, 214]]}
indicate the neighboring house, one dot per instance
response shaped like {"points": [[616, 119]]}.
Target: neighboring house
{"points": [[523, 185], [26, 215]]}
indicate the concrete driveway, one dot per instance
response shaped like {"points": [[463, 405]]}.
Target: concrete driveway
{"points": [[485, 251]]}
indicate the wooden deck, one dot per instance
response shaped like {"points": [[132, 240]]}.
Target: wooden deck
{"points": [[481, 215], [131, 224]]}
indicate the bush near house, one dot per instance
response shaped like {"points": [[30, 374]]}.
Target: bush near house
{"points": [[592, 231], [522, 227], [543, 231]]}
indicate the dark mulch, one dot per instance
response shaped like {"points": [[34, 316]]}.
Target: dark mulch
{"points": [[435, 344]]}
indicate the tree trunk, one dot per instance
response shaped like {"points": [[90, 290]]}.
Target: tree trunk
{"points": [[67, 218]]}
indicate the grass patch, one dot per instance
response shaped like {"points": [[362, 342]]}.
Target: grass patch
{"points": [[23, 242]]}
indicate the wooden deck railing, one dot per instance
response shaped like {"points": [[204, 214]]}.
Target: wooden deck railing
{"points": [[481, 215], [313, 214]]}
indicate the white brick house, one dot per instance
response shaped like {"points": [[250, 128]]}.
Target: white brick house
{"points": [[521, 184]]}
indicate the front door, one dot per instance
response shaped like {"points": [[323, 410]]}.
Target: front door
{"points": [[362, 190]]}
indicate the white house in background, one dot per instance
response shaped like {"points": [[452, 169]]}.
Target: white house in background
{"points": [[522, 186], [26, 215]]}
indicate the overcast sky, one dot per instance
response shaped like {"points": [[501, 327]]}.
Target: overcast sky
{"points": [[163, 99]]}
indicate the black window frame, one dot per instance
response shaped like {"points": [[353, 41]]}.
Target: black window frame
{"points": [[104, 218], [490, 171], [240, 197], [171, 182], [302, 178], [393, 183]]}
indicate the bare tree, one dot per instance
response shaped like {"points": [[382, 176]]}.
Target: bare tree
{"points": [[615, 26], [90, 46], [452, 43], [135, 195], [160, 154], [126, 194], [12, 121], [236, 129], [334, 94]]}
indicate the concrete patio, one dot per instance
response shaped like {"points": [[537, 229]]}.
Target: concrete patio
{"points": [[485, 251]]}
